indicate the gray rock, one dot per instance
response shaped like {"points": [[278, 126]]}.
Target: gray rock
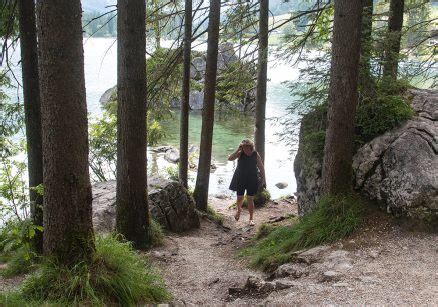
{"points": [[161, 148], [170, 204], [330, 276], [172, 155], [400, 167], [282, 284], [226, 50], [197, 70], [106, 96], [295, 270], [281, 185], [312, 255], [196, 100]]}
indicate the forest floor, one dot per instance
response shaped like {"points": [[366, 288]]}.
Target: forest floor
{"points": [[380, 264]]}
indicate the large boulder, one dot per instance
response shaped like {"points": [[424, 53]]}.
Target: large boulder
{"points": [[170, 204], [400, 167]]}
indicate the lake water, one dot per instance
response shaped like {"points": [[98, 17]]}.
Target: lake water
{"points": [[101, 73]]}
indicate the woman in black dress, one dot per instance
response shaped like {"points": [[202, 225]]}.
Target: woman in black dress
{"points": [[245, 176]]}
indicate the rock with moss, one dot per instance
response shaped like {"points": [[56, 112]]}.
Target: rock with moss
{"points": [[170, 204], [308, 161], [400, 168]]}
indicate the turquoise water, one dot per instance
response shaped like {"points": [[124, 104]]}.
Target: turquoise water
{"points": [[101, 73]]}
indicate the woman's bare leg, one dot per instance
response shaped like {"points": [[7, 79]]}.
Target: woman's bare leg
{"points": [[239, 206], [250, 200]]}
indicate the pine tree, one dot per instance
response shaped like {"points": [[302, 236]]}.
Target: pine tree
{"points": [[68, 228], [132, 217], [202, 180]]}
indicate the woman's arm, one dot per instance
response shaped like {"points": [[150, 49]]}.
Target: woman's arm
{"points": [[261, 167], [235, 154]]}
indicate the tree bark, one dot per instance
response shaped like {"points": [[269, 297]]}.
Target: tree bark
{"points": [[184, 128], [203, 177], [32, 111], [262, 77], [395, 25], [343, 97], [366, 81], [68, 229], [132, 214]]}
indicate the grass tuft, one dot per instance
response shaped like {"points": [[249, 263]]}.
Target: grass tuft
{"points": [[156, 234], [117, 275], [335, 217], [21, 261], [214, 216]]}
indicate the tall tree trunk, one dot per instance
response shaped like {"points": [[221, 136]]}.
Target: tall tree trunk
{"points": [[32, 111], [68, 228], [262, 77], [395, 25], [132, 218], [366, 81], [343, 96], [203, 177], [184, 128]]}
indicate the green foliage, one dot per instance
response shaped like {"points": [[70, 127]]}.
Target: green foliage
{"points": [[155, 132], [117, 275], [156, 234], [103, 146], [334, 218], [16, 246], [234, 84], [96, 25], [172, 172], [263, 231], [261, 198], [214, 216], [375, 118]]}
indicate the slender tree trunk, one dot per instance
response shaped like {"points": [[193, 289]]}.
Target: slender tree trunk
{"points": [[184, 129], [343, 96], [132, 218], [32, 111], [68, 228], [395, 25], [262, 77], [366, 81], [203, 177]]}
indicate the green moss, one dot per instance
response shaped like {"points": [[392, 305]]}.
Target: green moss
{"points": [[214, 216], [117, 275], [334, 217]]}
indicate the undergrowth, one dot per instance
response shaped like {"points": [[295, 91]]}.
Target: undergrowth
{"points": [[117, 275], [333, 218]]}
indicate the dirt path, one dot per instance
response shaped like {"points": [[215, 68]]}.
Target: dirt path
{"points": [[200, 266], [380, 265]]}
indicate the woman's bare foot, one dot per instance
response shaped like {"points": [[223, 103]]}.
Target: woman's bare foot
{"points": [[237, 215]]}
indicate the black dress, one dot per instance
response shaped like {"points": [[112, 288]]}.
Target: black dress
{"points": [[245, 175]]}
